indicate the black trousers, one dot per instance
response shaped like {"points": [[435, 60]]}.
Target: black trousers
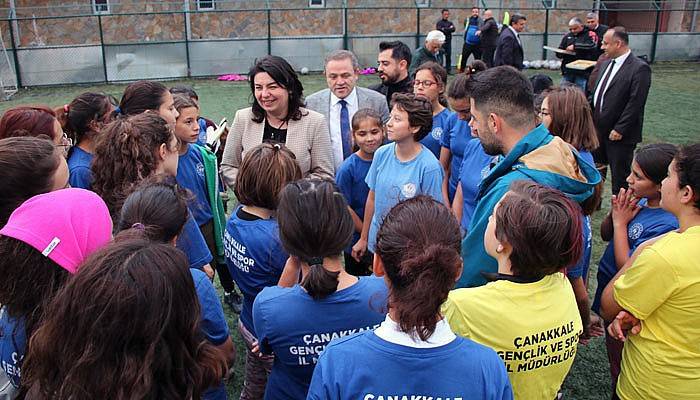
{"points": [[447, 48], [467, 50], [618, 156], [487, 55], [221, 269]]}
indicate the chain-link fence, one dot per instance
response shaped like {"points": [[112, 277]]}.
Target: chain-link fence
{"points": [[160, 40]]}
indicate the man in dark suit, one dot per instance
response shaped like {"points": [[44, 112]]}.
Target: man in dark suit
{"points": [[509, 50], [619, 98], [489, 37], [599, 29]]}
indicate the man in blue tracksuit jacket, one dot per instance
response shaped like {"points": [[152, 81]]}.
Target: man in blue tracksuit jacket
{"points": [[503, 116]]}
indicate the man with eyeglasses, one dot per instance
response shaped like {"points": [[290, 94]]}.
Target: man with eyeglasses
{"points": [[582, 42]]}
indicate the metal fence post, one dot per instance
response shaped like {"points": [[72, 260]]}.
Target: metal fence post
{"points": [[545, 39], [269, 32], [417, 27], [656, 33], [14, 51], [345, 27], [102, 47], [187, 44]]}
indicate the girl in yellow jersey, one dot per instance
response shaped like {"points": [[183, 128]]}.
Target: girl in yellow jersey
{"points": [[656, 297], [527, 313]]}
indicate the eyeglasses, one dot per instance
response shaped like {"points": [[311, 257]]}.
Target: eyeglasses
{"points": [[425, 84]]}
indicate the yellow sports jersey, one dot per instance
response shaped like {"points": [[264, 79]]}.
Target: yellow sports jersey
{"points": [[662, 289], [534, 327]]}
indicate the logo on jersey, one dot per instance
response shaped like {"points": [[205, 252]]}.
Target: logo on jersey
{"points": [[408, 190], [436, 133], [200, 169], [635, 231]]}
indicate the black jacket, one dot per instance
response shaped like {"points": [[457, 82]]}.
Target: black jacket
{"points": [[446, 27], [404, 86], [600, 31], [585, 45], [508, 50], [624, 101], [489, 33]]}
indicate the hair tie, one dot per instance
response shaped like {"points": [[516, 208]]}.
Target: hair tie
{"points": [[277, 146], [118, 110], [138, 226], [65, 108], [316, 261]]}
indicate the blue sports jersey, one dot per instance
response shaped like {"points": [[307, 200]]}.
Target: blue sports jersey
{"points": [[80, 174], [13, 344], [212, 322], [456, 141], [296, 328], [442, 125], [475, 167], [192, 243], [647, 224], [350, 179], [365, 366], [191, 176], [255, 258], [393, 180], [202, 139], [580, 270]]}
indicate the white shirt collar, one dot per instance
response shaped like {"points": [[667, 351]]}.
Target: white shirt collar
{"points": [[621, 59], [391, 332], [350, 99], [514, 31]]}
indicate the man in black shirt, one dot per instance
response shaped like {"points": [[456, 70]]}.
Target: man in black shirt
{"points": [[598, 28], [447, 27], [582, 42], [489, 37], [393, 61]]}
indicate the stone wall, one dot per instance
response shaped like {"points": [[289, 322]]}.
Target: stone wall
{"points": [[289, 18]]}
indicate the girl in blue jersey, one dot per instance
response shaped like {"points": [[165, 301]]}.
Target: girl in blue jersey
{"points": [[430, 83], [82, 120], [143, 212], [402, 169], [295, 321], [368, 134], [42, 244], [566, 113], [197, 171], [455, 141], [413, 352], [132, 149], [635, 217], [254, 253]]}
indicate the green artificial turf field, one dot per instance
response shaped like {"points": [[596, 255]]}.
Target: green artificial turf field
{"points": [[673, 101]]}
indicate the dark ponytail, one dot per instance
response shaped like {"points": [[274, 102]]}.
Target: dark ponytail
{"points": [[320, 282], [314, 223], [419, 244], [85, 115], [157, 209]]}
